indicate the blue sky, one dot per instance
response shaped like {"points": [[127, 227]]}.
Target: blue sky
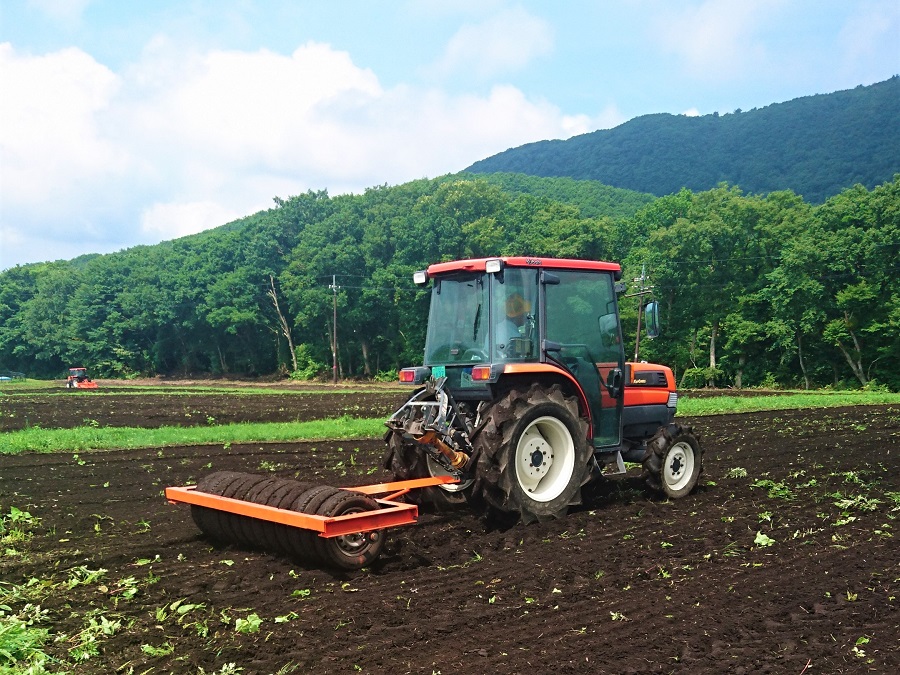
{"points": [[125, 123]]}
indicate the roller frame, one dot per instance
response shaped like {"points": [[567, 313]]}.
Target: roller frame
{"points": [[391, 514]]}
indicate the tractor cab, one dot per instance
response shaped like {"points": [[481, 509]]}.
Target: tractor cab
{"points": [[498, 320]]}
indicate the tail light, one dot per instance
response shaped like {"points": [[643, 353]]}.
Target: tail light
{"points": [[414, 375]]}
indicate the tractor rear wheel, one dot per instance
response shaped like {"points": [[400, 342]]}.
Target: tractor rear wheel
{"points": [[407, 460], [532, 455], [674, 461]]}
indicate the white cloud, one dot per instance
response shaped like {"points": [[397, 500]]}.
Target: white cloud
{"points": [[506, 42], [691, 112], [182, 141], [871, 27], [714, 38], [51, 136], [168, 221], [62, 11]]}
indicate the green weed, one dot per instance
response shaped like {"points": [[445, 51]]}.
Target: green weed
{"points": [[775, 490], [22, 640]]}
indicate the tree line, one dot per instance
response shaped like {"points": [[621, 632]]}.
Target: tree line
{"points": [[754, 290]]}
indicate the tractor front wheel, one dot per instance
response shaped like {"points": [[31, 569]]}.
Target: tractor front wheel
{"points": [[674, 461], [532, 455]]}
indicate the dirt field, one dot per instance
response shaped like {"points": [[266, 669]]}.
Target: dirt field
{"points": [[113, 406], [764, 570]]}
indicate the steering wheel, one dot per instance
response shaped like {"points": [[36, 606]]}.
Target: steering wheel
{"points": [[474, 354]]}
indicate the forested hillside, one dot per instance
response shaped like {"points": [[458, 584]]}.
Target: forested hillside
{"points": [[754, 289], [815, 146]]}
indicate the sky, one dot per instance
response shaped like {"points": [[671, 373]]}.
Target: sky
{"points": [[126, 123]]}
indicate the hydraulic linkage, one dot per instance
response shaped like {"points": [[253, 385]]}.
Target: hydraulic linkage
{"points": [[431, 417]]}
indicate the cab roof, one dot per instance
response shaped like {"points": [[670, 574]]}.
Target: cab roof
{"points": [[478, 264]]}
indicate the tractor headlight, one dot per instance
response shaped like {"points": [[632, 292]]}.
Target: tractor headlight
{"points": [[493, 266], [420, 278]]}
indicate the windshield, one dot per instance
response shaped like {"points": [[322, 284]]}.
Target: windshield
{"points": [[458, 321], [515, 296]]}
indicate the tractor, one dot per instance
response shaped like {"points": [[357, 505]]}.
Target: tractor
{"points": [[523, 398], [78, 379], [526, 396]]}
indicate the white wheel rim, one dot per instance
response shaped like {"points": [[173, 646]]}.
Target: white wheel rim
{"points": [[435, 469], [679, 466], [545, 459]]}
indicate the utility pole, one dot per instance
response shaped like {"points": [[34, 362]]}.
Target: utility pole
{"points": [[334, 364], [644, 290]]}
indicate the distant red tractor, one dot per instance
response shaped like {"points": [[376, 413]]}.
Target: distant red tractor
{"points": [[78, 379]]}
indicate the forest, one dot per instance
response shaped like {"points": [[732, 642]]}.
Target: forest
{"points": [[815, 146], [754, 290]]}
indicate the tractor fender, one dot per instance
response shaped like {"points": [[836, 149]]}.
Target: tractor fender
{"points": [[546, 374]]}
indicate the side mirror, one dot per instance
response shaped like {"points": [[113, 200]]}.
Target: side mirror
{"points": [[651, 319]]}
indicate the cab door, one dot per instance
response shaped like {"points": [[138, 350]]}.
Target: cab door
{"points": [[583, 334]]}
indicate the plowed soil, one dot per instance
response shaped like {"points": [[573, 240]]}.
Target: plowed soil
{"points": [[764, 569]]}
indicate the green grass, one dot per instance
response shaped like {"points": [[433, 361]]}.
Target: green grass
{"points": [[718, 405], [91, 438]]}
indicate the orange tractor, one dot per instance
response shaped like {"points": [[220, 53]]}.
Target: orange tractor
{"points": [[78, 379], [523, 398]]}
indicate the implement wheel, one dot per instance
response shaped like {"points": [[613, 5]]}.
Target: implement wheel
{"points": [[674, 461], [532, 455], [407, 460], [349, 551]]}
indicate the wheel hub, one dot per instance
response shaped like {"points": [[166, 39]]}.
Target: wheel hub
{"points": [[677, 466], [536, 458], [353, 543], [544, 459]]}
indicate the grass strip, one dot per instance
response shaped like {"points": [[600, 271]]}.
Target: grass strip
{"points": [[106, 438], [719, 405], [122, 438]]}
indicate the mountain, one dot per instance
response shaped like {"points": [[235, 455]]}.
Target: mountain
{"points": [[815, 145]]}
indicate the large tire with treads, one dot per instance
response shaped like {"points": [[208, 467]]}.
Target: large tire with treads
{"points": [[408, 460], [532, 455], [208, 519], [674, 460], [346, 552]]}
